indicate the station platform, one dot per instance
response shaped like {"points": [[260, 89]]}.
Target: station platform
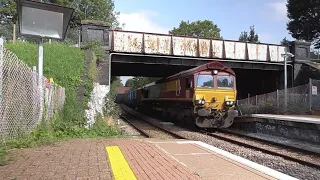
{"points": [[293, 118], [181, 159], [132, 159]]}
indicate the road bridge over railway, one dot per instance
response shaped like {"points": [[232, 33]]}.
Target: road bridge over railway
{"points": [[259, 67]]}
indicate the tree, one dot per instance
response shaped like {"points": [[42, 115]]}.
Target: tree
{"points": [[138, 81], [252, 37], [6, 31], [285, 42], [117, 81], [304, 20], [7, 17], [102, 10], [203, 29], [129, 83]]}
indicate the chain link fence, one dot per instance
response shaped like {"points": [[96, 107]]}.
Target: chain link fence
{"points": [[21, 106], [301, 100]]}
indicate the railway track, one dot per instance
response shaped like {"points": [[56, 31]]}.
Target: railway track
{"points": [[301, 156], [147, 129], [296, 148]]}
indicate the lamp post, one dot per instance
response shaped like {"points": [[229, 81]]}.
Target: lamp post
{"points": [[285, 55], [42, 20]]}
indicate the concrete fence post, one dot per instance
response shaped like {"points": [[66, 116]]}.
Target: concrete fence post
{"points": [[248, 98], [310, 94]]}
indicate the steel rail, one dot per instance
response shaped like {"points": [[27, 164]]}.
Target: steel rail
{"points": [[313, 164], [158, 127], [142, 132]]}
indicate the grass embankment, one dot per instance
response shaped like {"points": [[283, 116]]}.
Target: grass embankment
{"points": [[66, 65]]}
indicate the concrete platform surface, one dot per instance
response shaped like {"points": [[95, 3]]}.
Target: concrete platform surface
{"points": [[213, 163], [131, 159], [295, 118]]}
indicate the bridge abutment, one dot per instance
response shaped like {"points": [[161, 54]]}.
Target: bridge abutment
{"points": [[304, 68], [96, 31]]}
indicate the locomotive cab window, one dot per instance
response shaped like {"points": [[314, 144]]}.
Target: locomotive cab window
{"points": [[205, 81], [225, 82], [188, 83], [145, 93]]}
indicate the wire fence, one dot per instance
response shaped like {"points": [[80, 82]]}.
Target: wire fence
{"points": [[301, 100], [21, 106]]}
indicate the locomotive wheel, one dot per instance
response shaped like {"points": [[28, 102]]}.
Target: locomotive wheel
{"points": [[165, 112], [179, 120], [204, 122], [189, 121]]}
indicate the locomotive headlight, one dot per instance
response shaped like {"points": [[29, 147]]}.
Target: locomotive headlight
{"points": [[215, 72], [229, 103], [201, 102]]}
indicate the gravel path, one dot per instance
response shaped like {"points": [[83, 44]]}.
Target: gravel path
{"points": [[274, 162]]}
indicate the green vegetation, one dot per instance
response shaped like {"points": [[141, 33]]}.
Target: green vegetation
{"points": [[252, 37], [62, 63], [138, 81], [3, 158], [66, 65], [285, 42], [201, 29], [95, 46], [304, 20], [113, 109]]}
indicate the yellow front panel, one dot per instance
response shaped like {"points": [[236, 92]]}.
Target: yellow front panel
{"points": [[220, 95]]}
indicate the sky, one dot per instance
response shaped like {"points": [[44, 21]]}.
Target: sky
{"points": [[269, 17]]}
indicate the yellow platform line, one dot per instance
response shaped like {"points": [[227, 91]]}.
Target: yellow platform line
{"points": [[120, 167]]}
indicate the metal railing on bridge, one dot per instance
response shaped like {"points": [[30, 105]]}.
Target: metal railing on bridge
{"points": [[300, 100]]}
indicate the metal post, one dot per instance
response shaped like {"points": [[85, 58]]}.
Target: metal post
{"points": [[79, 39], [14, 33], [1, 67], [40, 60], [285, 86], [85, 11], [40, 74], [310, 94]]}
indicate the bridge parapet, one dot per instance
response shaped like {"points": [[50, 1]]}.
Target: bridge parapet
{"points": [[95, 31], [301, 50], [168, 45]]}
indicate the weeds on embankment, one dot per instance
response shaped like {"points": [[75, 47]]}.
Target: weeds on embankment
{"points": [[66, 65]]}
